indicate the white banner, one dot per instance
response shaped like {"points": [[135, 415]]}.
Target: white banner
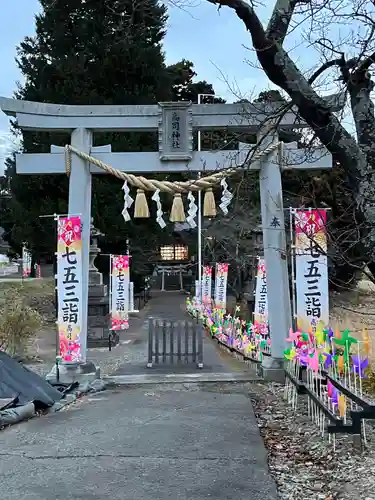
{"points": [[312, 298], [261, 301], [197, 290], [69, 290], [221, 280], [207, 284], [131, 296], [119, 292], [26, 262]]}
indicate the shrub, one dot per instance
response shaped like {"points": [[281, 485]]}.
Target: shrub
{"points": [[19, 323]]}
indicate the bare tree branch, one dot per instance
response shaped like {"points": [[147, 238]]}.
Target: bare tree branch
{"points": [[282, 14], [329, 64], [365, 65], [357, 159], [248, 15], [282, 71]]}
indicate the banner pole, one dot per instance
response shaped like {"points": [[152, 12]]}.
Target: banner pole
{"points": [[292, 263], [110, 291], [55, 264]]}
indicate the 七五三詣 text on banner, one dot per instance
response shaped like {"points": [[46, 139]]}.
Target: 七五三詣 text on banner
{"points": [[120, 292], [261, 301], [221, 280], [312, 299], [206, 284], [69, 289]]}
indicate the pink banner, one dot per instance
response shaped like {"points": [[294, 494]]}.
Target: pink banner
{"points": [[221, 286], [69, 289], [311, 264], [206, 284], [120, 292]]}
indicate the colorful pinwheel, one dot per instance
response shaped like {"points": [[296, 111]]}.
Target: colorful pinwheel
{"points": [[359, 365]]}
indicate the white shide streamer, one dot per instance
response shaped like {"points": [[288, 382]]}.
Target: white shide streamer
{"points": [[128, 202], [192, 211], [159, 210], [226, 197]]}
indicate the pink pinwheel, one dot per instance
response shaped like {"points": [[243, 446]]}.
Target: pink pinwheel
{"points": [[293, 336], [254, 327], [313, 361], [263, 329], [304, 356]]}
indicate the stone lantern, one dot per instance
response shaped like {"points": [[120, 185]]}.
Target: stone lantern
{"points": [[98, 299]]}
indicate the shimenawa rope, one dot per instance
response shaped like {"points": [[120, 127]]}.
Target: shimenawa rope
{"points": [[176, 188]]}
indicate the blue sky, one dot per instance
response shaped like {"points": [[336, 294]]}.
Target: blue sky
{"points": [[217, 51], [215, 41]]}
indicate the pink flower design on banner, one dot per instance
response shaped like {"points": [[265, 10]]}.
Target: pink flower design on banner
{"points": [[69, 230], [119, 324], [69, 351], [262, 268], [207, 271], [310, 222], [222, 268], [121, 262]]}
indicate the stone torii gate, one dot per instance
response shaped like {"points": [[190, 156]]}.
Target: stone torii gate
{"points": [[83, 121]]}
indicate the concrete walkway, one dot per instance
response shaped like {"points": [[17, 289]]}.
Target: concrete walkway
{"points": [[171, 306], [186, 442], [192, 440]]}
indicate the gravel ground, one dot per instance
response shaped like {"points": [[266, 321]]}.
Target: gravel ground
{"points": [[303, 463], [108, 362]]}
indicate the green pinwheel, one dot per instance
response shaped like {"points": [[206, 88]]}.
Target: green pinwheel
{"points": [[346, 342], [290, 353]]}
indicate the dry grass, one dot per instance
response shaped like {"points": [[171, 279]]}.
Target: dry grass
{"points": [[33, 287], [19, 323], [37, 299], [355, 310]]}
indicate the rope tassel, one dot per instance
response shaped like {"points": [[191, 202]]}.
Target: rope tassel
{"points": [[141, 210], [177, 211], [209, 205]]}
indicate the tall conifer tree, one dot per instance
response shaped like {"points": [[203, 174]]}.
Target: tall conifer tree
{"points": [[87, 52]]}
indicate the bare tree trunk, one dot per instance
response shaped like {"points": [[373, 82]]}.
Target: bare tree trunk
{"points": [[360, 87]]}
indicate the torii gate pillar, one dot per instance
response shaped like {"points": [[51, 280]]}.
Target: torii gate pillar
{"points": [[274, 242], [80, 182]]}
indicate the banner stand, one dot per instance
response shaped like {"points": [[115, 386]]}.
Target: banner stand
{"points": [[311, 264], [131, 299], [261, 300], [119, 285], [221, 280]]}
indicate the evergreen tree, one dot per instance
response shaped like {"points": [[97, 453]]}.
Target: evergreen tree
{"points": [[87, 52]]}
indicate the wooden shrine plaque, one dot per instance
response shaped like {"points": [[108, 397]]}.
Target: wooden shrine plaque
{"points": [[175, 131]]}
